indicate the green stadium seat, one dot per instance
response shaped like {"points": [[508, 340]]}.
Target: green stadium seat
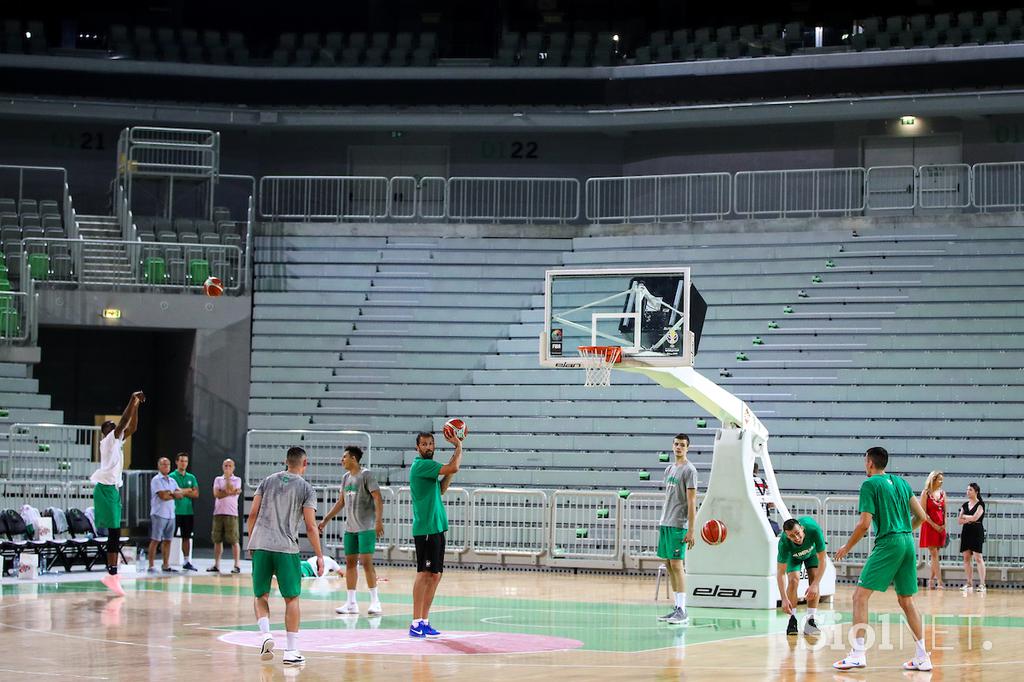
{"points": [[155, 270], [198, 270], [39, 266]]}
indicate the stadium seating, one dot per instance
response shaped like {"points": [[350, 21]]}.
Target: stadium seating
{"points": [[378, 334]]}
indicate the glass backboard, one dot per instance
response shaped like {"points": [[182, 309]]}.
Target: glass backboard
{"points": [[654, 314]]}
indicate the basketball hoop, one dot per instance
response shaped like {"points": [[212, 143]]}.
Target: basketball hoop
{"points": [[597, 364]]}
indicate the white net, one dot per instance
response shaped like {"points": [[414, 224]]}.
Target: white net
{"points": [[597, 364]]}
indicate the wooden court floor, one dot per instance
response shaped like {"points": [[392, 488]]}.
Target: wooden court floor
{"points": [[499, 625]]}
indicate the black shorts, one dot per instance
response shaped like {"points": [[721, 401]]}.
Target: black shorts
{"points": [[430, 552], [184, 525]]}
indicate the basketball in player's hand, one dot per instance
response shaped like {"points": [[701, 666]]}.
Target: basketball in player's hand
{"points": [[713, 532], [455, 428]]}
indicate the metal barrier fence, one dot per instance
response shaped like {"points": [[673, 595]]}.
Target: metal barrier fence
{"points": [[50, 451], [459, 508], [42, 493], [585, 524], [809, 192], [839, 516], [515, 199], [169, 151], [944, 185], [891, 188], [17, 317], [509, 521], [641, 517], [320, 197], [265, 451], [998, 186], [655, 198], [35, 183], [138, 265]]}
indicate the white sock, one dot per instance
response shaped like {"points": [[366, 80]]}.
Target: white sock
{"points": [[680, 600], [921, 652], [425, 621], [373, 594], [264, 624], [811, 613], [858, 647], [417, 621], [293, 643], [351, 596]]}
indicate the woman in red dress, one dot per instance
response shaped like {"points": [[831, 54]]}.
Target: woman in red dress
{"points": [[933, 532]]}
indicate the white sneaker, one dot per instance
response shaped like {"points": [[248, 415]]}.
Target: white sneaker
{"points": [[374, 609], [293, 657], [966, 589], [922, 663], [850, 662], [267, 648], [349, 608]]}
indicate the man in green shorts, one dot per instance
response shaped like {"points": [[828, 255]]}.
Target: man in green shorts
{"points": [[106, 496], [365, 523], [281, 503], [890, 504], [801, 545], [673, 537]]}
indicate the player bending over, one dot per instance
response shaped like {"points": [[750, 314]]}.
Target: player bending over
{"points": [[801, 545]]}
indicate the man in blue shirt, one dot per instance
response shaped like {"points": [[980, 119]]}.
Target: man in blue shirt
{"points": [[164, 491]]}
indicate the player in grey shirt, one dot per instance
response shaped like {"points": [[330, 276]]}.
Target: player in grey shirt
{"points": [[674, 538], [365, 523]]}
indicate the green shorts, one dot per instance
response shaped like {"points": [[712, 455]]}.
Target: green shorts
{"points": [[106, 506], [796, 564], [893, 561], [671, 543], [363, 542], [307, 570], [286, 567]]}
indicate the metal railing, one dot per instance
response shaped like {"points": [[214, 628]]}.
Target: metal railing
{"points": [[509, 521], [944, 186], [17, 318], [891, 188], [998, 186], [458, 507], [162, 266], [514, 199], [811, 192], [320, 197], [265, 451], [334, 532], [168, 151], [50, 451], [34, 182], [694, 196], [585, 524]]}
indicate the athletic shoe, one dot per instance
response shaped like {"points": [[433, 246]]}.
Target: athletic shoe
{"points": [[922, 663], [668, 615], [850, 662], [792, 628], [113, 583], [213, 569], [348, 608], [169, 569], [189, 567], [267, 648], [811, 628], [981, 589], [416, 631], [679, 618], [429, 632], [374, 609], [153, 569], [236, 569], [966, 589], [293, 657]]}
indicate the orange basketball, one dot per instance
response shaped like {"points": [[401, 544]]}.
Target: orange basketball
{"points": [[213, 286], [713, 532], [455, 427]]}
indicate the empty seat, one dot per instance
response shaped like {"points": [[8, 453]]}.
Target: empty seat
{"points": [[965, 21], [189, 36], [30, 220], [212, 39], [398, 56], [555, 57], [357, 40], [665, 53], [184, 225], [280, 57], [235, 39], [205, 227], [239, 56], [558, 40], [117, 34], [49, 207], [311, 41], [170, 53], [942, 22], [1014, 18], [221, 213], [579, 57], [142, 34], [725, 34], [217, 54], [509, 40], [165, 36], [428, 41], [54, 232], [194, 54], [381, 40], [188, 238], [33, 232], [10, 234], [919, 23], [167, 237], [643, 55], [147, 52], [303, 57], [770, 32], [288, 41], [423, 56], [8, 205], [403, 39], [582, 40], [350, 56], [894, 25], [28, 206], [374, 56], [147, 237], [210, 238]]}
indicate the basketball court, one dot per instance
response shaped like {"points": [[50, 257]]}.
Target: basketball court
{"points": [[499, 625]]}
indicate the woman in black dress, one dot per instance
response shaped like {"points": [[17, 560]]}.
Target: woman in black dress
{"points": [[972, 537]]}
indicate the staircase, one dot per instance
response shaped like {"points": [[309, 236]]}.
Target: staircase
{"points": [[103, 263]]}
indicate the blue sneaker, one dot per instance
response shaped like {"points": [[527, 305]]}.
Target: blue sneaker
{"points": [[428, 631], [417, 632]]}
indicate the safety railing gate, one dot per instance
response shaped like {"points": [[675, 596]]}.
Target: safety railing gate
{"points": [[458, 506], [50, 451], [944, 186], [840, 515], [509, 521], [998, 186], [37, 493], [585, 525], [514, 199], [17, 317], [323, 197], [808, 192], [690, 196], [641, 519], [891, 188], [265, 451]]}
